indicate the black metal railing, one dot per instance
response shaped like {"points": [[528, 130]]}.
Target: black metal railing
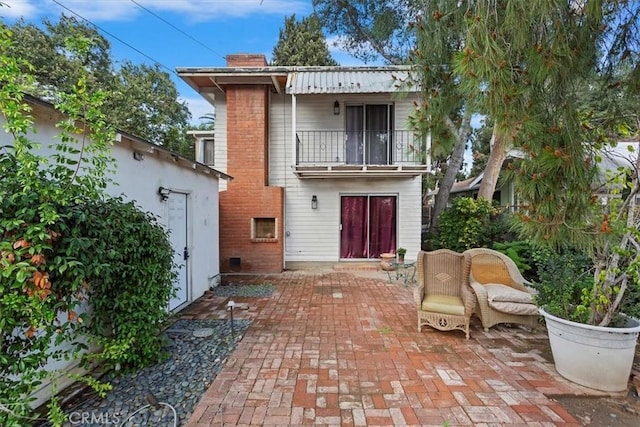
{"points": [[321, 147]]}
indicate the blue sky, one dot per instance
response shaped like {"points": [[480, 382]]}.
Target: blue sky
{"points": [[177, 33]]}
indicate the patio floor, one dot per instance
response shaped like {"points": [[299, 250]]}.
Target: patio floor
{"points": [[342, 348]]}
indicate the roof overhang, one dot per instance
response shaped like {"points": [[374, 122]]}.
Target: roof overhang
{"points": [[343, 80], [300, 80], [143, 147], [207, 80]]}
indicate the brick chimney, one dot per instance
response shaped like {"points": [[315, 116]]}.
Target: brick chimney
{"points": [[251, 211], [246, 60]]}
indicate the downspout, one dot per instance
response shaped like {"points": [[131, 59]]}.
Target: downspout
{"points": [[293, 131]]}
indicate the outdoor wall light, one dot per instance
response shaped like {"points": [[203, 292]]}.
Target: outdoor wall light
{"points": [[314, 202], [137, 155], [164, 193], [336, 108]]}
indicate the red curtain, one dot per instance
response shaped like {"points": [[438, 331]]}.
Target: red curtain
{"points": [[368, 226], [353, 237], [382, 215]]}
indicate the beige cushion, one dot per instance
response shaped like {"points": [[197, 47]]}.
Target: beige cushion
{"points": [[445, 304], [514, 308], [490, 269], [502, 293]]}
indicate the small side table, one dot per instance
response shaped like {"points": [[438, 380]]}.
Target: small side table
{"points": [[404, 270]]}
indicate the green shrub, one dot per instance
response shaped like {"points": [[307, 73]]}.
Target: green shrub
{"points": [[563, 278], [130, 280], [470, 223], [522, 253], [62, 242]]}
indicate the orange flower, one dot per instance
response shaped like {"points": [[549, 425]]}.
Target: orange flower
{"points": [[20, 244], [38, 259], [31, 332]]}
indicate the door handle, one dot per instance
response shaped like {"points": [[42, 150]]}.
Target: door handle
{"points": [[185, 254]]}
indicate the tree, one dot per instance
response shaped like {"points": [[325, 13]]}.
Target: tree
{"points": [[302, 43], [55, 68], [442, 111], [369, 29], [480, 148], [142, 100], [527, 79], [400, 32], [208, 122]]}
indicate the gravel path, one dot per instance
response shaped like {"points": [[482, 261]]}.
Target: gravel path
{"points": [[168, 392], [180, 381]]}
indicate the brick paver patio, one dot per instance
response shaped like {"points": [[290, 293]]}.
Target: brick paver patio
{"points": [[338, 348]]}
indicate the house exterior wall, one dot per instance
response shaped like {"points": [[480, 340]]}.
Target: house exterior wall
{"points": [[257, 148], [202, 196], [314, 235], [220, 137]]}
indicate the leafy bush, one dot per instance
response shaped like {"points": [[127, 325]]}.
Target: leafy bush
{"points": [[62, 242], [563, 279], [130, 277], [522, 253], [471, 223]]}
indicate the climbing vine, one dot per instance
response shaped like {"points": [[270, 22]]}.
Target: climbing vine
{"points": [[67, 249]]}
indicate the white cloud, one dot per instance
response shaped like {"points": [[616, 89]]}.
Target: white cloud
{"points": [[341, 54], [204, 10], [16, 9], [198, 108], [127, 10]]}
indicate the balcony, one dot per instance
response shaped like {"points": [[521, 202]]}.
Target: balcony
{"points": [[332, 153]]}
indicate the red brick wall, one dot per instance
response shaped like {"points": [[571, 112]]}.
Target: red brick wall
{"points": [[246, 60], [248, 195]]}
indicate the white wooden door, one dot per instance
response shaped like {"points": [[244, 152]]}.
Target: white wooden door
{"points": [[178, 228]]}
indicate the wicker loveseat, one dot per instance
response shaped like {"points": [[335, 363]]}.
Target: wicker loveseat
{"points": [[503, 295]]}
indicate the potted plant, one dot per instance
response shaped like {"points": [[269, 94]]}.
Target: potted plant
{"points": [[592, 341], [400, 252], [386, 261]]}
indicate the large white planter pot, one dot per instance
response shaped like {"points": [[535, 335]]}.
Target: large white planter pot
{"points": [[593, 356]]}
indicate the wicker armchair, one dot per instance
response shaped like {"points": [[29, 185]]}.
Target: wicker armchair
{"points": [[503, 295], [443, 297]]}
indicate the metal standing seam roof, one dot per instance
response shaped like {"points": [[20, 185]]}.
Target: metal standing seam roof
{"points": [[351, 81]]}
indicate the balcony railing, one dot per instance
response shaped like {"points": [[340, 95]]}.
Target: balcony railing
{"points": [[333, 147]]}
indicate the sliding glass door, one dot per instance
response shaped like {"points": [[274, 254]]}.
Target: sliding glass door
{"points": [[368, 226], [369, 133]]}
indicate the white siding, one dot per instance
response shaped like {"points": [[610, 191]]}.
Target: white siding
{"points": [[221, 137], [280, 142], [314, 235]]}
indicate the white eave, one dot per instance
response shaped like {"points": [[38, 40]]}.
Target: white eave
{"points": [[301, 80], [144, 147]]}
